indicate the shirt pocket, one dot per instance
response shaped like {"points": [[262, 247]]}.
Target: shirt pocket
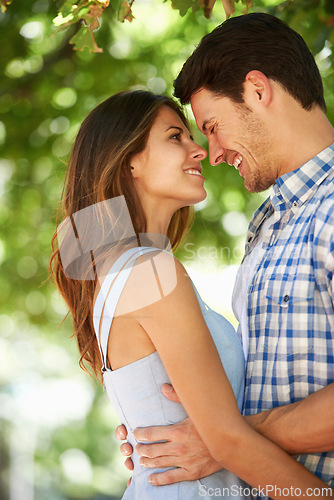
{"points": [[290, 307], [287, 290]]}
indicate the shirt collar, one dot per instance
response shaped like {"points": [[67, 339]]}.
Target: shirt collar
{"points": [[295, 188]]}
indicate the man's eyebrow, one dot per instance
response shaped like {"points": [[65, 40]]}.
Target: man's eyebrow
{"points": [[205, 124]]}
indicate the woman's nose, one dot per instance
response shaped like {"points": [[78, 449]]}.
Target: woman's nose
{"points": [[200, 153]]}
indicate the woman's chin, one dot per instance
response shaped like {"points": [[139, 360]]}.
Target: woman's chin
{"points": [[190, 201], [201, 198]]}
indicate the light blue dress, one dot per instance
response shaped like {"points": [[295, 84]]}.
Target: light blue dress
{"points": [[134, 391]]}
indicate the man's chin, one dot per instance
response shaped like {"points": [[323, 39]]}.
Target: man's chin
{"points": [[250, 186], [257, 186]]}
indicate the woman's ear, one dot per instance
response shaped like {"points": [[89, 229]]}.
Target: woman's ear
{"points": [[135, 170], [257, 88], [137, 164]]}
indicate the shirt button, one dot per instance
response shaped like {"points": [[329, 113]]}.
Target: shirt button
{"points": [[295, 203], [286, 298]]}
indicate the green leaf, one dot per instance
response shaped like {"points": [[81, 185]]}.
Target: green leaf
{"points": [[83, 39], [86, 12], [184, 5], [61, 21], [68, 7], [125, 12], [82, 12], [91, 17]]}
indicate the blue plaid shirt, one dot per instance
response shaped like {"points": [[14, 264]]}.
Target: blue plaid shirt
{"points": [[290, 300]]}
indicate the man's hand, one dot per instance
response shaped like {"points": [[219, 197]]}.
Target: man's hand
{"points": [[184, 449]]}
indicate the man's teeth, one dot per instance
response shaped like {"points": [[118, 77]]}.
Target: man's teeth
{"points": [[192, 172], [237, 162]]}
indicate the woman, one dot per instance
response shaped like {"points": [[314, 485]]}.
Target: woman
{"points": [[137, 316]]}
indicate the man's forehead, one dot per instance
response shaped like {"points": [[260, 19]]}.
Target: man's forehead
{"points": [[203, 119], [202, 104]]}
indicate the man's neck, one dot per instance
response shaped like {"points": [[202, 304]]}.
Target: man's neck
{"points": [[301, 134]]}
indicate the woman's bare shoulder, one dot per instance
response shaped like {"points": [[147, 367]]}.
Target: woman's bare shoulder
{"points": [[154, 276]]}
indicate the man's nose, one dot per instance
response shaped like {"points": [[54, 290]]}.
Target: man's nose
{"points": [[216, 153]]}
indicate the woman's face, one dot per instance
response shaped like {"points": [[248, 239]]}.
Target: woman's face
{"points": [[168, 171]]}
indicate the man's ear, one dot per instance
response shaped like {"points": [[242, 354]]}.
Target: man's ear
{"points": [[257, 88]]}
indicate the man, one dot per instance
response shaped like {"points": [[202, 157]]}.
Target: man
{"points": [[257, 95]]}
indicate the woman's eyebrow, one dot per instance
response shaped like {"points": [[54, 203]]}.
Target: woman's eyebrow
{"points": [[180, 130], [177, 128]]}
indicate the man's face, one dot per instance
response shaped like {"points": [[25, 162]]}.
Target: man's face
{"points": [[236, 136]]}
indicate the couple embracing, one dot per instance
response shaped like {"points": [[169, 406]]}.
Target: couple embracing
{"points": [[257, 95]]}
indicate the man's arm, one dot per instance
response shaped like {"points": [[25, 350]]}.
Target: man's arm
{"points": [[303, 427]]}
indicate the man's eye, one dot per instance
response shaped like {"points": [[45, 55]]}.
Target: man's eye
{"points": [[212, 129]]}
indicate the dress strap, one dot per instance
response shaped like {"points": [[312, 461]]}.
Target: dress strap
{"points": [[109, 294]]}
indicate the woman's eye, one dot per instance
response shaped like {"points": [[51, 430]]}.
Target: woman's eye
{"points": [[212, 129], [177, 137]]}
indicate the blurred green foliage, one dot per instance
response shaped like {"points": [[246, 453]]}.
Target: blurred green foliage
{"points": [[86, 15], [56, 426]]}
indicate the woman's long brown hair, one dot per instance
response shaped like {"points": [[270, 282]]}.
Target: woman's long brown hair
{"points": [[98, 170]]}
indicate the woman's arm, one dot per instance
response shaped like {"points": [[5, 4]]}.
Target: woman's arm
{"points": [[178, 330]]}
